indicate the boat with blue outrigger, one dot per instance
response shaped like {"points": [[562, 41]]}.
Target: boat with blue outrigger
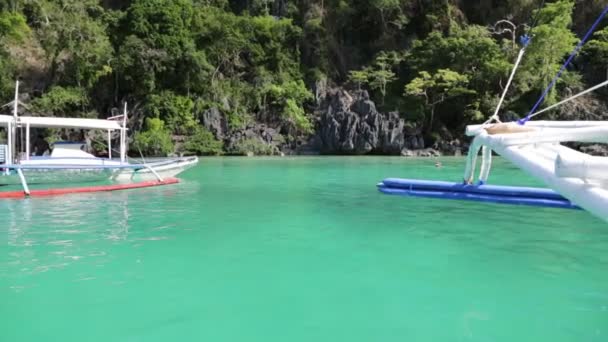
{"points": [[68, 162], [576, 180]]}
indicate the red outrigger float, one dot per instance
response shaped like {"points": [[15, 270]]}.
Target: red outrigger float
{"points": [[19, 194]]}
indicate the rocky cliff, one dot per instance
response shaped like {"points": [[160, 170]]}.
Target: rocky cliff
{"points": [[351, 124], [346, 123]]}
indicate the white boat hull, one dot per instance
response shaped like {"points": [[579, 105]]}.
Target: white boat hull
{"points": [[162, 169], [57, 173], [54, 176]]}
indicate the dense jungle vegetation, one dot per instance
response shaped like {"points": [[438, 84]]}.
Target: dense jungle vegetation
{"points": [[441, 63]]}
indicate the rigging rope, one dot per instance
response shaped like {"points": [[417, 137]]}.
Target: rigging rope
{"points": [[537, 16], [524, 40], [129, 159], [563, 68], [603, 84], [504, 93]]}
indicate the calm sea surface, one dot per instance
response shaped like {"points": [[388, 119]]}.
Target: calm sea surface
{"points": [[302, 249]]}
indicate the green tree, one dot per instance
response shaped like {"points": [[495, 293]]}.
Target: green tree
{"points": [[469, 50], [73, 28], [359, 77], [202, 142], [437, 88], [596, 51], [13, 31], [175, 110], [258, 60], [157, 50], [391, 12], [155, 140], [63, 101], [380, 73], [552, 41], [13, 27], [288, 98]]}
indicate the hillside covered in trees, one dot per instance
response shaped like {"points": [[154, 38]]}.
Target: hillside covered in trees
{"points": [[237, 76]]}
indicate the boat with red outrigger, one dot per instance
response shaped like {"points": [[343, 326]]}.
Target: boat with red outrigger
{"points": [[69, 163]]}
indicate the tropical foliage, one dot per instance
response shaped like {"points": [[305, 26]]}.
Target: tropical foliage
{"points": [[440, 63]]}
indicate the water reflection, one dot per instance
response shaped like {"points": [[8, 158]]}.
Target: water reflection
{"points": [[43, 234]]}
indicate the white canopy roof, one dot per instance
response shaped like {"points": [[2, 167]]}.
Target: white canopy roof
{"points": [[5, 119], [54, 122]]}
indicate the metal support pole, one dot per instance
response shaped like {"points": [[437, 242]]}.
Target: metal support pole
{"points": [[160, 179], [123, 136], [9, 148], [13, 130], [486, 164], [16, 103], [109, 144], [27, 141], [26, 189]]}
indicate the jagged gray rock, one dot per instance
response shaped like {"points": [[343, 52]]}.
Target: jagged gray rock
{"points": [[352, 125], [595, 149], [425, 152], [257, 138], [347, 123], [215, 122]]}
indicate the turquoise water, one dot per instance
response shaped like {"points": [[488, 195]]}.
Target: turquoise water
{"points": [[300, 249]]}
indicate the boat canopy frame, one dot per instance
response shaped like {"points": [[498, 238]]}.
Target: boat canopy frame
{"points": [[12, 122]]}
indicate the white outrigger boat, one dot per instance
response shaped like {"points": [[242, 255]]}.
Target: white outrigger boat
{"points": [[576, 180], [69, 163]]}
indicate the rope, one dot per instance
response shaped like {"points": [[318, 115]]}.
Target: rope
{"points": [[524, 40], [129, 159], [504, 93], [537, 14], [603, 84], [563, 68], [141, 155], [534, 18]]}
